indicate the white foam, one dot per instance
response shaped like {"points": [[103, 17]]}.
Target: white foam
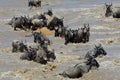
{"points": [[4, 20], [71, 9], [10, 74]]}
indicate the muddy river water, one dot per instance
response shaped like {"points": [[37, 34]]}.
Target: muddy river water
{"points": [[75, 12]]}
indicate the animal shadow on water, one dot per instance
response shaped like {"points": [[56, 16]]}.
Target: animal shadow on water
{"points": [[78, 70]]}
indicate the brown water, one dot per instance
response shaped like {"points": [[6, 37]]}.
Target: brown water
{"points": [[76, 13]]}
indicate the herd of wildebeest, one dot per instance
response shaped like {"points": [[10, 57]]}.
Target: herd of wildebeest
{"points": [[42, 52]]}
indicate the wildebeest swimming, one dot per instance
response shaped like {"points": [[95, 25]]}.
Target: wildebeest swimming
{"points": [[60, 31], [77, 36], [21, 22], [55, 22], [40, 38], [79, 69], [39, 55], [109, 11], [34, 3], [19, 46], [97, 51]]}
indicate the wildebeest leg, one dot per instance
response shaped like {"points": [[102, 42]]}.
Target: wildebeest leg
{"points": [[66, 42], [14, 26], [56, 33], [88, 39], [84, 40]]}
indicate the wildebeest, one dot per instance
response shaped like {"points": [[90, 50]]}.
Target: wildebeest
{"points": [[97, 51], [12, 20], [44, 55], [55, 22], [39, 55], [109, 11], [37, 23], [68, 36], [86, 33], [40, 38], [19, 46], [21, 22], [60, 31], [30, 54], [79, 69], [78, 35], [49, 12], [34, 3]]}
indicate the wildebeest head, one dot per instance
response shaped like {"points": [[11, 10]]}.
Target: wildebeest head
{"points": [[50, 13], [108, 10], [19, 46], [37, 36], [29, 55], [22, 47], [99, 50], [51, 55]]}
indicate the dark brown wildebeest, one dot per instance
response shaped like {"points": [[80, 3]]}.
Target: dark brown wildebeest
{"points": [[33, 3], [19, 46], [109, 12]]}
